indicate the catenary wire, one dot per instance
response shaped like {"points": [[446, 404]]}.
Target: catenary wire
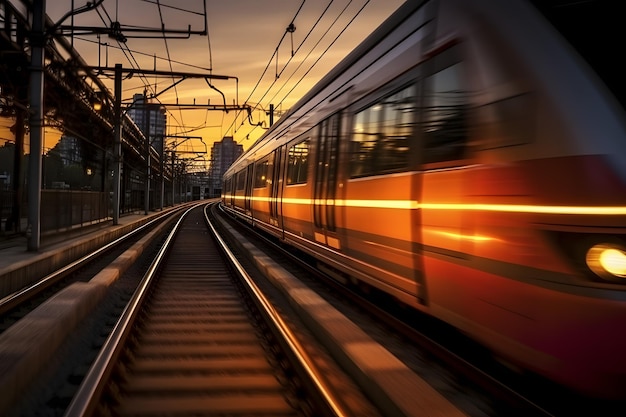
{"points": [[295, 52], [286, 82], [323, 53], [254, 127]]}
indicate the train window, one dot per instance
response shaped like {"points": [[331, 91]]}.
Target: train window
{"points": [[364, 137], [241, 180], [260, 174], [381, 133], [445, 128], [397, 127], [298, 163]]}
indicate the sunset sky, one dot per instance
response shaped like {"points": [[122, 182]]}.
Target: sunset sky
{"points": [[243, 38]]}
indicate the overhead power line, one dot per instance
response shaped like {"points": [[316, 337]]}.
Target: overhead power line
{"points": [[324, 53]]}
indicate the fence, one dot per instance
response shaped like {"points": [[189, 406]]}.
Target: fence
{"points": [[60, 210], [64, 209]]}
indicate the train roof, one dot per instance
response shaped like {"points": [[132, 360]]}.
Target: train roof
{"points": [[600, 29], [396, 18]]}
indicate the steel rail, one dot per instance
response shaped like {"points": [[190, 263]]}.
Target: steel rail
{"points": [[94, 382], [304, 362], [84, 402], [455, 361], [11, 301]]}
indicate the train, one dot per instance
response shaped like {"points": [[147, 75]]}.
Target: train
{"points": [[469, 161]]}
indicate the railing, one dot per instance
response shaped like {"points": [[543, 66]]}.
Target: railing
{"points": [[64, 209]]}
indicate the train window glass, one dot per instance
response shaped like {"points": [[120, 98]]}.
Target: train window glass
{"points": [[241, 180], [260, 174], [397, 127], [298, 163], [381, 133], [363, 142], [445, 128]]}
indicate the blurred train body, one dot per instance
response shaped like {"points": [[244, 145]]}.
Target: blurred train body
{"points": [[465, 160]]}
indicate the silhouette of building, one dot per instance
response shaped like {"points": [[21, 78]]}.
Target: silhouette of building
{"points": [[150, 118], [223, 154]]}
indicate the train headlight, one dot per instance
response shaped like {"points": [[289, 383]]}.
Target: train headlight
{"points": [[608, 262]]}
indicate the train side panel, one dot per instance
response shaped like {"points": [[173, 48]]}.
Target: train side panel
{"points": [[380, 230], [468, 184]]}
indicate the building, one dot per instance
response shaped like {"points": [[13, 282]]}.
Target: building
{"points": [[150, 118], [223, 154]]}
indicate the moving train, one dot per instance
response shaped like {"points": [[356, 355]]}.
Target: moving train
{"points": [[467, 160]]}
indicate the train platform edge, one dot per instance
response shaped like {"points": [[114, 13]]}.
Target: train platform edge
{"points": [[20, 267]]}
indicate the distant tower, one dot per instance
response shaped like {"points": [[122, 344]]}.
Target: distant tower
{"points": [[223, 154], [150, 118]]}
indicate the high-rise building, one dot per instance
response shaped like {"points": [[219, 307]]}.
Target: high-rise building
{"points": [[150, 118], [223, 154]]}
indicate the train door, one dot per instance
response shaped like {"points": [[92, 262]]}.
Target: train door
{"points": [[248, 190], [275, 196], [382, 193], [325, 189]]}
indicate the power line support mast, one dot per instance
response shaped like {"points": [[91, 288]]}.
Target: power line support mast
{"points": [[162, 167], [38, 41], [146, 112], [117, 147], [173, 188]]}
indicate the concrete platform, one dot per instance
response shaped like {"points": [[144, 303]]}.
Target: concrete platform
{"points": [[20, 267]]}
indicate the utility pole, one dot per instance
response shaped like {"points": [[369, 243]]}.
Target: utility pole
{"points": [[117, 146], [173, 184], [37, 42], [146, 114], [162, 168]]}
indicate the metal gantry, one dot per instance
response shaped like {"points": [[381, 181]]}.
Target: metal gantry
{"points": [[69, 94]]}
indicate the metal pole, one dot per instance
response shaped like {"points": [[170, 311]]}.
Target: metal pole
{"points": [[72, 25], [173, 185], [146, 111], [117, 147], [37, 41], [162, 162]]}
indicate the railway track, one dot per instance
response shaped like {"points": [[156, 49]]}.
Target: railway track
{"points": [[193, 342]]}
